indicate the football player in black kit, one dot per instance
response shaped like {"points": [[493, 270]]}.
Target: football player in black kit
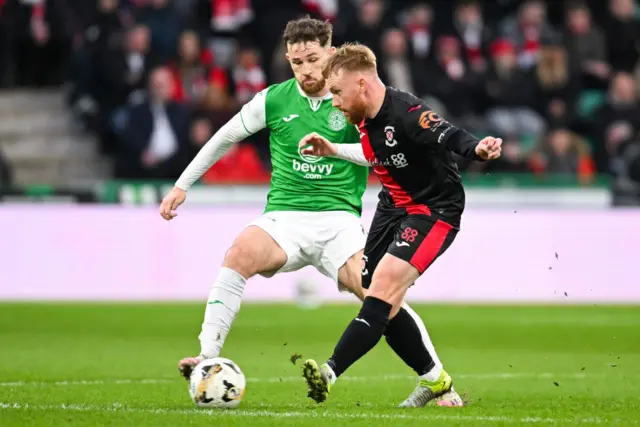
{"points": [[418, 215]]}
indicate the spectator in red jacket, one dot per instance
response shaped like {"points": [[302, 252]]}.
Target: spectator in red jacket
{"points": [[248, 76]]}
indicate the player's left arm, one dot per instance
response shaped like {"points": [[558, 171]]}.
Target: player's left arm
{"points": [[424, 125], [316, 145], [353, 153]]}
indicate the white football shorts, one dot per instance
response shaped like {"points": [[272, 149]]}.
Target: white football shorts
{"points": [[324, 240]]}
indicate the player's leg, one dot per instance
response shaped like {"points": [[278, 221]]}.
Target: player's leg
{"points": [[387, 290], [427, 240], [254, 251], [407, 336], [414, 252], [350, 275], [261, 248], [419, 241], [406, 333], [384, 299]]}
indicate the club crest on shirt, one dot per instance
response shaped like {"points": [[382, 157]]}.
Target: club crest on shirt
{"points": [[389, 136], [337, 120]]}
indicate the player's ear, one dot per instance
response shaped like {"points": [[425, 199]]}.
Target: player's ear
{"points": [[332, 50], [361, 85], [286, 52]]}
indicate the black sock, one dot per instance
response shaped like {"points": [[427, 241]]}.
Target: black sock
{"points": [[362, 334], [405, 338]]}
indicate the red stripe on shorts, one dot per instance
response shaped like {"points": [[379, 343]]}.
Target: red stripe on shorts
{"points": [[430, 246]]}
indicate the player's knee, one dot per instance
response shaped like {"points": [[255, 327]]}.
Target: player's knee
{"points": [[393, 296], [388, 286], [383, 293], [383, 278], [241, 259]]}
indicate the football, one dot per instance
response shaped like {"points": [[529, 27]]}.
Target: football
{"points": [[217, 383]]}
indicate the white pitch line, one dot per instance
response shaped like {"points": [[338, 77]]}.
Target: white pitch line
{"points": [[248, 413], [83, 382], [488, 376]]}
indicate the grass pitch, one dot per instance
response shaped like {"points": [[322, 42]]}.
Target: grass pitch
{"points": [[116, 365]]}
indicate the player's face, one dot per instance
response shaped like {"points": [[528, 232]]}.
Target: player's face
{"points": [[348, 95], [307, 59]]}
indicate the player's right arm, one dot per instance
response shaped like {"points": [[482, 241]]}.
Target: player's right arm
{"points": [[250, 119]]}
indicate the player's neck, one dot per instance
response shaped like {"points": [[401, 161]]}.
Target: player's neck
{"points": [[320, 94], [377, 93]]}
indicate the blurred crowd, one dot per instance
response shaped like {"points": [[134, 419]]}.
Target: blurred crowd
{"points": [[153, 79]]}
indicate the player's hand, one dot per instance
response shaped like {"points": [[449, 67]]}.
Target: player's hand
{"points": [[489, 148], [170, 203], [318, 146]]}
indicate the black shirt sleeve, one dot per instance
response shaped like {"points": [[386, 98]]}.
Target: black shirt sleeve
{"points": [[425, 126]]}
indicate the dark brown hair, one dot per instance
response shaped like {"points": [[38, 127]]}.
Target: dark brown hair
{"points": [[351, 57], [308, 29]]}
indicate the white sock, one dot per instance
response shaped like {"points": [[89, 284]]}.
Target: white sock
{"points": [[332, 375], [222, 307], [434, 373]]}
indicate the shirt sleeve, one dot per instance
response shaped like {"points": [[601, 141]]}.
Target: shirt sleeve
{"points": [[353, 153], [425, 126], [250, 119]]}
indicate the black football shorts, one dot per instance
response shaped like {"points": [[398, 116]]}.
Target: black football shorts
{"points": [[417, 239]]}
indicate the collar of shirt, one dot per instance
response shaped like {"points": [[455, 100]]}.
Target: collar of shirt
{"points": [[384, 109]]}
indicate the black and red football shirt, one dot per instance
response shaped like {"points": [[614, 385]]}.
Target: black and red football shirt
{"points": [[410, 148]]}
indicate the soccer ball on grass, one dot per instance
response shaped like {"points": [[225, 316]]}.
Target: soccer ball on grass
{"points": [[217, 383]]}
